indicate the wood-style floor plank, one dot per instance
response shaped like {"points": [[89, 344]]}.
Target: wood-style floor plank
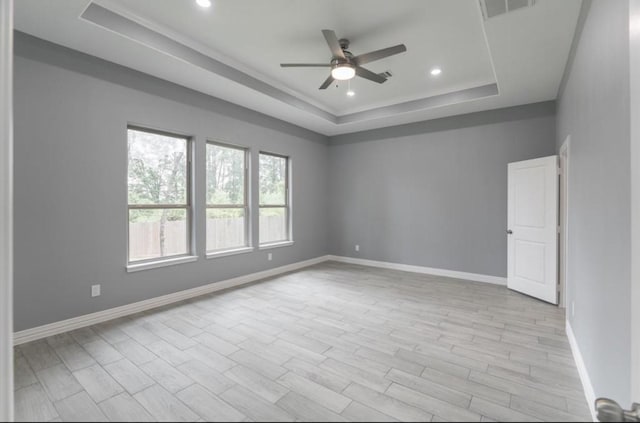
{"points": [[333, 342]]}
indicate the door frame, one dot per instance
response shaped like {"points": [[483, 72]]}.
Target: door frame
{"points": [[6, 210], [634, 60], [563, 220]]}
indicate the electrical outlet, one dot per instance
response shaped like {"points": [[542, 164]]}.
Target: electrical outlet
{"points": [[357, 247], [95, 290], [269, 256]]}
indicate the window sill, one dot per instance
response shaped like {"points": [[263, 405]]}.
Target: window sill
{"points": [[225, 253], [276, 245], [160, 263]]}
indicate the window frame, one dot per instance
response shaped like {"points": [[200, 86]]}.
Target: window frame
{"points": [[287, 206], [246, 204], [189, 255]]}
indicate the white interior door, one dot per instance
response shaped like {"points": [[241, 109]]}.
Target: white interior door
{"points": [[533, 228]]}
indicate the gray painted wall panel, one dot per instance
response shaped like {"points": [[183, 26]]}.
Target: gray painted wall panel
{"points": [[436, 198], [430, 194], [71, 192], [594, 109]]}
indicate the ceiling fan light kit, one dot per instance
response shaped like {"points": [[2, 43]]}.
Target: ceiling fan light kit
{"points": [[343, 72], [344, 65]]}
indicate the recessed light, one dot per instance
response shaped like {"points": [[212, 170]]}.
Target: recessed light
{"points": [[351, 93], [634, 25], [204, 3], [436, 71]]}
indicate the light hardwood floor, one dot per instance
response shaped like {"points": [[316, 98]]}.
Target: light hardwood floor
{"points": [[333, 342]]}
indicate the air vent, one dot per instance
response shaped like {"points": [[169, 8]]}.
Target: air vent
{"points": [[492, 8], [387, 74]]}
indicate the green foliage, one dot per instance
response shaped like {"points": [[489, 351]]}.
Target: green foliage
{"points": [[225, 175], [273, 174], [225, 214], [157, 174], [156, 215]]}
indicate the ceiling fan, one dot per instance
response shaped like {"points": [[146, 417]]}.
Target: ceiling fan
{"points": [[345, 65]]}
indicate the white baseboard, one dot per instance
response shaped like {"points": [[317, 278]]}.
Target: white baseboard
{"points": [[589, 393], [51, 329], [496, 280]]}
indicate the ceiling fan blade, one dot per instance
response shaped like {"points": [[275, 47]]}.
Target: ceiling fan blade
{"points": [[305, 65], [334, 45], [367, 74], [379, 54], [326, 83]]}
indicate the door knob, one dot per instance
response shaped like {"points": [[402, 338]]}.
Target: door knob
{"points": [[509, 232], [610, 411]]}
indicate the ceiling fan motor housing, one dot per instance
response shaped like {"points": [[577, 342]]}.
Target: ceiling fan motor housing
{"points": [[342, 60]]}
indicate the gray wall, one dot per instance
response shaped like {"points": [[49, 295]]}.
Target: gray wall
{"points": [[71, 191], [433, 193], [429, 194], [594, 110]]}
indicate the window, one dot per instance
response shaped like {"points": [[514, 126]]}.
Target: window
{"points": [[159, 195], [227, 208], [274, 207]]}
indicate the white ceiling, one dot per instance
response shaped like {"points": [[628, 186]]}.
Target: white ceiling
{"points": [[523, 52]]}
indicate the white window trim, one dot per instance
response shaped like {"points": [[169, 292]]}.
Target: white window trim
{"points": [[160, 263], [278, 244], [248, 247], [288, 206], [138, 265], [230, 252]]}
